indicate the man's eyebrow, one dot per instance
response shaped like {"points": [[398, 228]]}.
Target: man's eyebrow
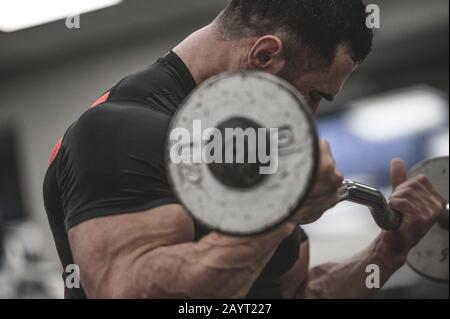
{"points": [[326, 96]]}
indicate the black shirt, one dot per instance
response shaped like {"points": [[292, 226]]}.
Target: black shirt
{"points": [[111, 161]]}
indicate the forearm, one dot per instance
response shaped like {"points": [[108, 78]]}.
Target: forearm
{"points": [[347, 280], [216, 267]]}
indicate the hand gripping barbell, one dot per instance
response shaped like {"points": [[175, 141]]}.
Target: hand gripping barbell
{"points": [[235, 198]]}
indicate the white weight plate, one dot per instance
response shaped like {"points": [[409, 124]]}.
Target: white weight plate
{"points": [[272, 103]]}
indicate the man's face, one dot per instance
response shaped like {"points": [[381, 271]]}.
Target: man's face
{"points": [[318, 85]]}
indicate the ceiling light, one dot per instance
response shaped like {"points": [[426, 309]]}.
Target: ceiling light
{"points": [[398, 115]]}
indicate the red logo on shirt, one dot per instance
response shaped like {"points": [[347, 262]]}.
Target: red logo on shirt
{"points": [[102, 99], [55, 151]]}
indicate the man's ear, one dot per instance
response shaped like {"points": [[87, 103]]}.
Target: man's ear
{"points": [[267, 54]]}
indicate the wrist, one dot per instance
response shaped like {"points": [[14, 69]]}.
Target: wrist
{"points": [[388, 253], [285, 230]]}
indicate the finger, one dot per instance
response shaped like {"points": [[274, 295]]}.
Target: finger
{"points": [[423, 204], [328, 184], [431, 189], [426, 191], [326, 151], [427, 207], [398, 173], [408, 193], [402, 205]]}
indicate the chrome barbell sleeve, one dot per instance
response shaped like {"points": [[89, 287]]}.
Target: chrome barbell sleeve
{"points": [[358, 193]]}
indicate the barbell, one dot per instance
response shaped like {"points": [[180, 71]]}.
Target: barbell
{"points": [[243, 154]]}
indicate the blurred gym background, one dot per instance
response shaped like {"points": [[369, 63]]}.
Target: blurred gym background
{"points": [[395, 106]]}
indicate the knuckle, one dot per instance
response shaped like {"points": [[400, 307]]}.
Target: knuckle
{"points": [[401, 204], [408, 192], [427, 213], [408, 206], [415, 184], [394, 205], [437, 205], [423, 180]]}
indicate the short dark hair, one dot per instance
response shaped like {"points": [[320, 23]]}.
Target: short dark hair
{"points": [[314, 27]]}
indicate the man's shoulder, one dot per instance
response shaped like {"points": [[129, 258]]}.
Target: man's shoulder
{"points": [[117, 123], [117, 113]]}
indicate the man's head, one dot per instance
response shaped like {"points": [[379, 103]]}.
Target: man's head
{"points": [[314, 44]]}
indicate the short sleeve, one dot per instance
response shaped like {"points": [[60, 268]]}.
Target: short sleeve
{"points": [[112, 162]]}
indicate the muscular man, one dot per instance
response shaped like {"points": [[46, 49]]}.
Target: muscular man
{"points": [[113, 213]]}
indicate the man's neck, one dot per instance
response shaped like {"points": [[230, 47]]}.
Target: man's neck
{"points": [[205, 55]]}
